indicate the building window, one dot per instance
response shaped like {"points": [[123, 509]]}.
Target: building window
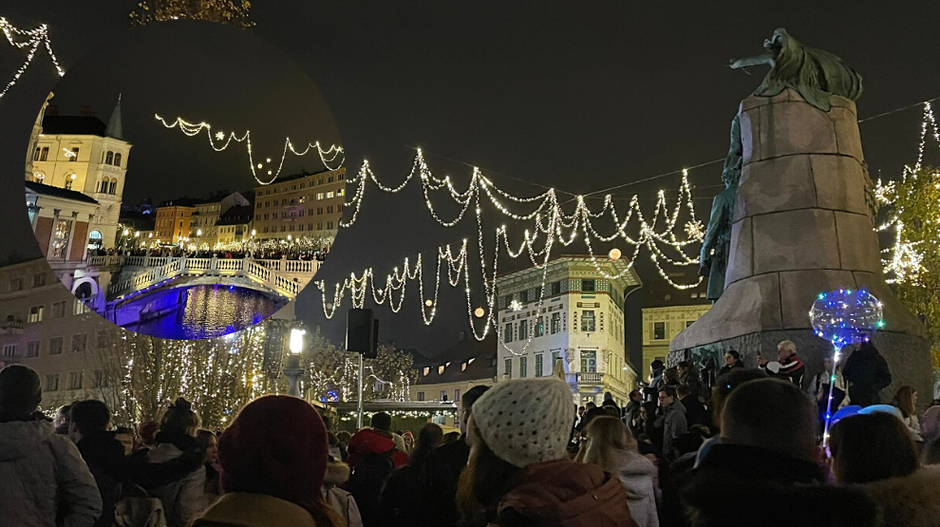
{"points": [[55, 345], [109, 159], [78, 342], [75, 380], [329, 209], [689, 323], [329, 194], [101, 380], [587, 320], [58, 310], [319, 210], [117, 159], [588, 362], [588, 286], [329, 225], [440, 369], [74, 156], [463, 366], [36, 154], [9, 350], [52, 382], [556, 288], [523, 329], [507, 333], [555, 356], [35, 314], [319, 196], [102, 338], [112, 187], [524, 296], [538, 365], [443, 395], [540, 327], [16, 284], [556, 323], [456, 395], [420, 396], [39, 280], [523, 367], [507, 368], [32, 349], [659, 331]]}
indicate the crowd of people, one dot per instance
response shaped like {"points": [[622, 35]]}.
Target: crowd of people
{"points": [[746, 450], [290, 253]]}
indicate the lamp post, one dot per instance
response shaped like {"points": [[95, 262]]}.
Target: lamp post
{"points": [[294, 371]]}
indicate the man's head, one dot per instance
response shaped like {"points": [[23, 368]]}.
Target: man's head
{"points": [[20, 392], [590, 405], [125, 436], [770, 414], [724, 386], [636, 396], [382, 422], [656, 367], [608, 396], [682, 391], [667, 396], [88, 418], [581, 411], [466, 404], [785, 349]]}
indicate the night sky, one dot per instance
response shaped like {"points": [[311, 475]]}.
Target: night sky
{"points": [[555, 93]]}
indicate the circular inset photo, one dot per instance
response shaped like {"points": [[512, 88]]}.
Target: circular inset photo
{"points": [[186, 181]]}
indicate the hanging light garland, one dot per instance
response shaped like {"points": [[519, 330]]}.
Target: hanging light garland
{"points": [[34, 38], [219, 141], [544, 222]]}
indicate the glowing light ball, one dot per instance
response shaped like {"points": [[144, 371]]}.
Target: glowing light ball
{"points": [[479, 312], [615, 254], [429, 302], [846, 316]]}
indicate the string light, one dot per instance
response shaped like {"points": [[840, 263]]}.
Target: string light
{"points": [[35, 38], [327, 156]]}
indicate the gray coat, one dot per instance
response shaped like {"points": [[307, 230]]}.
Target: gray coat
{"points": [[675, 424]]}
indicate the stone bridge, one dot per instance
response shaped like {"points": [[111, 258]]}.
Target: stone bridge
{"points": [[138, 274]]}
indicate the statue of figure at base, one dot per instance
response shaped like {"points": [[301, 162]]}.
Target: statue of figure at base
{"points": [[713, 261]]}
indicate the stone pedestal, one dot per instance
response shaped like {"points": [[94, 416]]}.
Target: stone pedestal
{"points": [[801, 227]]}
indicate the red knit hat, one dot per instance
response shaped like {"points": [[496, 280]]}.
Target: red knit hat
{"points": [[277, 446]]}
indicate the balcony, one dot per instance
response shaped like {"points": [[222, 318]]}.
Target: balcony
{"points": [[12, 327], [590, 378]]}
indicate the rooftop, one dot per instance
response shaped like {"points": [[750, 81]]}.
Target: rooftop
{"points": [[73, 125], [236, 215], [475, 354], [302, 175], [49, 190]]}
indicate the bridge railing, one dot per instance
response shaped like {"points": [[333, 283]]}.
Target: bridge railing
{"points": [[105, 261]]}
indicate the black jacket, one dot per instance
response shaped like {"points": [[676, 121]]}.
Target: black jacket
{"points": [[104, 456], [438, 483], [695, 412], [866, 373], [738, 485]]}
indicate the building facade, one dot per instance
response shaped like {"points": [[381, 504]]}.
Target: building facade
{"points": [[83, 154], [451, 373], [303, 205], [46, 328], [235, 225], [174, 221], [580, 322], [61, 220], [202, 228], [666, 312]]}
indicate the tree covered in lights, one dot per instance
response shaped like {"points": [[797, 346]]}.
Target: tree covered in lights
{"points": [[232, 12], [910, 210]]}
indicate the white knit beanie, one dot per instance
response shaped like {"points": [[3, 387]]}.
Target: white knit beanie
{"points": [[526, 421]]}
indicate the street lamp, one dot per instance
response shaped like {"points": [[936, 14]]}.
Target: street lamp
{"points": [[294, 371]]}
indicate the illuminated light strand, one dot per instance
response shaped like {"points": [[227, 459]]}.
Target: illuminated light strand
{"points": [[327, 156], [35, 38]]}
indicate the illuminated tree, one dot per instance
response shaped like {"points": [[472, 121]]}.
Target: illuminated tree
{"points": [[232, 12], [911, 209]]}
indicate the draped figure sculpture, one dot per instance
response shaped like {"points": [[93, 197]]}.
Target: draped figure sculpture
{"points": [[713, 260]]}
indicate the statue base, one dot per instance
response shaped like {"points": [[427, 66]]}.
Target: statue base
{"points": [[802, 226]]}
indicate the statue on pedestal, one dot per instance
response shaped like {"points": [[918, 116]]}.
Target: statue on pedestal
{"points": [[813, 73], [713, 261]]}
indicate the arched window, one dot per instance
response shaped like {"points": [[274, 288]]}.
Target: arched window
{"points": [[36, 154], [117, 159], [109, 159], [103, 186], [113, 187]]}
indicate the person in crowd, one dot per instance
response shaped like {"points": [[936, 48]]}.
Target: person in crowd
{"points": [[876, 452], [763, 472], [788, 365], [274, 459], [930, 422], [819, 388], [43, 479], [672, 422], [581, 411], [442, 470], [906, 401], [590, 406], [341, 500], [671, 377], [631, 410], [609, 401], [343, 437], [125, 435], [209, 444], [450, 437], [173, 470], [401, 501], [61, 421], [651, 388], [871, 447], [104, 455], [931, 453], [724, 385], [689, 377], [866, 373], [732, 361], [519, 472], [372, 457], [611, 411], [409, 440], [146, 433], [588, 416], [612, 447], [695, 412]]}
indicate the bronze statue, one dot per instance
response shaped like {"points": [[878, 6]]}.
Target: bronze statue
{"points": [[713, 261], [814, 73]]}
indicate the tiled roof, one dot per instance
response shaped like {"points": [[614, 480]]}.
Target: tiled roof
{"points": [[49, 190], [73, 124]]}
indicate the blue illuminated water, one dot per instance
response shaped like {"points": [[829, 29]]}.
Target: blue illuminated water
{"points": [[206, 311]]}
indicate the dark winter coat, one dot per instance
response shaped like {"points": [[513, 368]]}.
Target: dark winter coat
{"points": [[866, 373], [651, 392], [563, 493], [909, 501], [438, 481], [172, 471], [742, 486], [728, 369], [695, 413], [104, 456]]}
